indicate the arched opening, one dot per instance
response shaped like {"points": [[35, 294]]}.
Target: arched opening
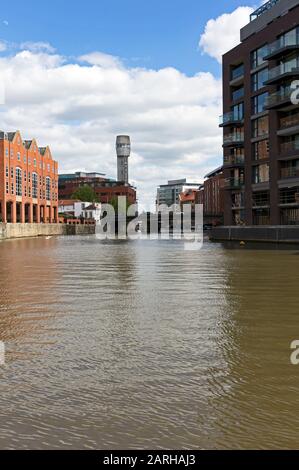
{"points": [[9, 212]]}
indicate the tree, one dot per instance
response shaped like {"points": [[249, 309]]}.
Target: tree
{"points": [[114, 203], [85, 194]]}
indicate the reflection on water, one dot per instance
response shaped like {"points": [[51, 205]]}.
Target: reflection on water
{"points": [[145, 345]]}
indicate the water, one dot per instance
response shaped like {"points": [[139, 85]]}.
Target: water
{"points": [[145, 345]]}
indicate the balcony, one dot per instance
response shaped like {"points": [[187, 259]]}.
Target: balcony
{"points": [[283, 71], [230, 119], [237, 75], [289, 197], [290, 148], [233, 183], [289, 121], [263, 9], [278, 99], [291, 172], [234, 160], [281, 47], [233, 140]]}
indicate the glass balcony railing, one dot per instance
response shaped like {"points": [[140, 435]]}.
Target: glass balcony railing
{"points": [[230, 118], [280, 45], [234, 160], [289, 121], [233, 183], [233, 139], [291, 172], [288, 147], [278, 98], [277, 72]]}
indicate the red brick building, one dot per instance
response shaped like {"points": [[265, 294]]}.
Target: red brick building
{"points": [[104, 188], [214, 196], [29, 181]]}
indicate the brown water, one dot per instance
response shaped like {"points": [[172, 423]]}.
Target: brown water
{"points": [[145, 345]]}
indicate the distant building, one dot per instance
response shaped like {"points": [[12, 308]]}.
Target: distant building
{"points": [[123, 151], [72, 207], [93, 211], [169, 194], [105, 189], [28, 181]]}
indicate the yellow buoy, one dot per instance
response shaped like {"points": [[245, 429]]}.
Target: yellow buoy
{"points": [[242, 243]]}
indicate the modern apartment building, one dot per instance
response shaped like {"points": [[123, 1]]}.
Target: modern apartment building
{"points": [[28, 181], [169, 194], [260, 122]]}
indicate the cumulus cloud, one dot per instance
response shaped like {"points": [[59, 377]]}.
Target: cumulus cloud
{"points": [[223, 33], [3, 46], [79, 106], [37, 46]]}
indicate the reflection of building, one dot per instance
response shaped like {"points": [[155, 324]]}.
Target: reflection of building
{"points": [[260, 123], [29, 181], [105, 189], [169, 194]]}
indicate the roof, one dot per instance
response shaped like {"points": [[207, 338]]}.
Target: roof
{"points": [[68, 202], [215, 172], [92, 207], [189, 195]]}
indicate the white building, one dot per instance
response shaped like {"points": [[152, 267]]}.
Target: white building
{"points": [[93, 211], [72, 207], [169, 194]]}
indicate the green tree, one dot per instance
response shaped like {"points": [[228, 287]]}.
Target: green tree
{"points": [[114, 203], [85, 194]]}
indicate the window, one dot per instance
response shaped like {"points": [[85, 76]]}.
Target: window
{"points": [[48, 188], [18, 182], [261, 150], [257, 56], [49, 168], [12, 189], [290, 38], [260, 173], [34, 162], [11, 172], [259, 103], [25, 159], [11, 153], [34, 185], [29, 161], [260, 126], [7, 187], [6, 152], [258, 79], [237, 72], [238, 93], [19, 156], [238, 112], [6, 171]]}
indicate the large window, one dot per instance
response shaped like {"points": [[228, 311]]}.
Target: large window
{"points": [[260, 173], [257, 56], [259, 103], [258, 79], [18, 182], [238, 93], [261, 150], [238, 112], [290, 38], [237, 72], [48, 188], [34, 185], [260, 127]]}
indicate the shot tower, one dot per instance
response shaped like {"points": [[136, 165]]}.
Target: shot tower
{"points": [[123, 151]]}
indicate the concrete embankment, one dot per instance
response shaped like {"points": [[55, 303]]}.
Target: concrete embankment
{"points": [[273, 234], [8, 231]]}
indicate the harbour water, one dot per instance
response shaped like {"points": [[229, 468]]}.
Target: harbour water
{"points": [[113, 345]]}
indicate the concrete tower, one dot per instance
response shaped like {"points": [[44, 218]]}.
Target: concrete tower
{"points": [[123, 151]]}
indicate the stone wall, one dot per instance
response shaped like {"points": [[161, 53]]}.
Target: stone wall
{"points": [[43, 230]]}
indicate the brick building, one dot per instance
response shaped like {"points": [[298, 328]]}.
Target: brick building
{"points": [[29, 181], [260, 122], [105, 189], [214, 197]]}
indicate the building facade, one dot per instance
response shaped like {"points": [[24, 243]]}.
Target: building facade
{"points": [[213, 196], [169, 194], [123, 152], [29, 181], [260, 122], [105, 189]]}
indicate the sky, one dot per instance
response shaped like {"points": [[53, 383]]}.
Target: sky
{"points": [[76, 74]]}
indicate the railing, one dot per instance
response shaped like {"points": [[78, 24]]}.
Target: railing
{"points": [[289, 197], [261, 200], [278, 97], [233, 138], [261, 10], [229, 117], [290, 172], [289, 121], [234, 160], [287, 67], [281, 44], [287, 147], [233, 182]]}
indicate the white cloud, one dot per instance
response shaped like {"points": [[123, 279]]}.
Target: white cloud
{"points": [[3, 46], [78, 109], [223, 33], [37, 47]]}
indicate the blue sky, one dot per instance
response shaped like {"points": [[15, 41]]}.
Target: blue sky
{"points": [[150, 33], [76, 74]]}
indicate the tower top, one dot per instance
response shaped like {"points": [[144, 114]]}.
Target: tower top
{"points": [[123, 146]]}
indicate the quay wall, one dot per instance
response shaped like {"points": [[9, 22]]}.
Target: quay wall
{"points": [[8, 231], [274, 234]]}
